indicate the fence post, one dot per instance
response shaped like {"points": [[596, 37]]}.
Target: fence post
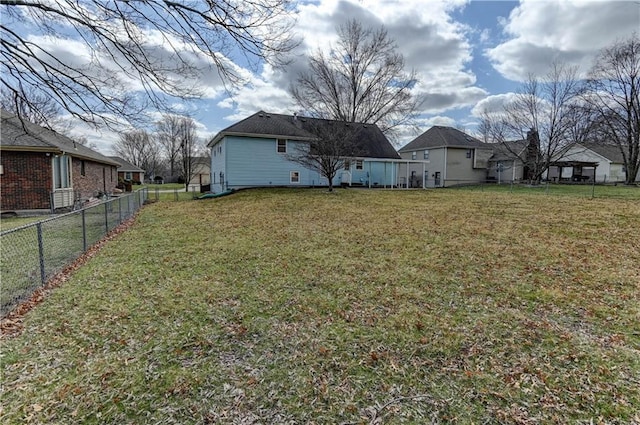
{"points": [[43, 277], [84, 231], [106, 217], [120, 209], [593, 187]]}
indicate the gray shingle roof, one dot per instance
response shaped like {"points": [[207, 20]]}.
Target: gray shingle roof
{"points": [[126, 166], [609, 151], [371, 142], [439, 136], [508, 150], [17, 134]]}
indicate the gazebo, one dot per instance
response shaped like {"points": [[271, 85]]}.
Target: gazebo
{"points": [[571, 171]]}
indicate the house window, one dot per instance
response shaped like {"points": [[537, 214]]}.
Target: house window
{"points": [[61, 172], [128, 176], [282, 146], [294, 177], [359, 164], [82, 170], [426, 154], [414, 155], [347, 165], [469, 153]]}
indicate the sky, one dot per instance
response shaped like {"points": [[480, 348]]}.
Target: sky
{"points": [[469, 55]]}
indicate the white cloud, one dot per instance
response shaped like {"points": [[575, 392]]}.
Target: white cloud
{"points": [[540, 32], [492, 104], [431, 42]]}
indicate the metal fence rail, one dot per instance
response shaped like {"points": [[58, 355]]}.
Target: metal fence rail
{"points": [[30, 255]]}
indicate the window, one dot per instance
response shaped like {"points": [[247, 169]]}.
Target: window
{"points": [[127, 175], [294, 176], [282, 146], [426, 154], [469, 153], [347, 165], [359, 164], [82, 170], [61, 172], [414, 155]]}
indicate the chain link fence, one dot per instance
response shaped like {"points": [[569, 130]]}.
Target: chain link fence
{"points": [[30, 255]]}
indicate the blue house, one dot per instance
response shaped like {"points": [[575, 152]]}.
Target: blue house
{"points": [[258, 151]]}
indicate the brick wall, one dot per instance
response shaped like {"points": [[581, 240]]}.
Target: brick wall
{"points": [[92, 181], [26, 182]]}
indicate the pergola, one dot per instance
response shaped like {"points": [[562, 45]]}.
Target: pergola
{"points": [[576, 168]]}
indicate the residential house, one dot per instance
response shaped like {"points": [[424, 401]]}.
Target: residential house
{"points": [[200, 172], [444, 156], [582, 160], [41, 169], [506, 164], [258, 150], [128, 171]]}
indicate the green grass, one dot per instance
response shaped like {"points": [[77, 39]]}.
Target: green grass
{"points": [[166, 186], [8, 223], [284, 306], [579, 190]]}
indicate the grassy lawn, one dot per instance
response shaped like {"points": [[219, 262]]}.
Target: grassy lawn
{"points": [[166, 186], [581, 190], [283, 306], [13, 222]]}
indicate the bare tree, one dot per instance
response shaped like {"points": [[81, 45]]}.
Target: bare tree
{"points": [[32, 105], [614, 95], [334, 145], [188, 147], [153, 47], [138, 148], [544, 113], [361, 79], [167, 133]]}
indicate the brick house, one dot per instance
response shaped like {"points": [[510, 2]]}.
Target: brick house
{"points": [[44, 170], [128, 171]]}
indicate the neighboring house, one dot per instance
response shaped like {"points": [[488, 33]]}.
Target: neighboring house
{"points": [[256, 152], [582, 160], [506, 164], [128, 171], [44, 170], [200, 172], [444, 156]]}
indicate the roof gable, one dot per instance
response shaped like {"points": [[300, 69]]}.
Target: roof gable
{"points": [[370, 141], [126, 165], [19, 134], [439, 136], [608, 151]]}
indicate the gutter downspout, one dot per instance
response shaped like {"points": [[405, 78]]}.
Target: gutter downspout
{"points": [[444, 174]]}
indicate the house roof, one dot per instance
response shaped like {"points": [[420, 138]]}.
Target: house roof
{"points": [[440, 136], [371, 141], [21, 135], [608, 151], [126, 166], [508, 150]]}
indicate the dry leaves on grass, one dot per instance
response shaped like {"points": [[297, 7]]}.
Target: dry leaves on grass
{"points": [[11, 324]]}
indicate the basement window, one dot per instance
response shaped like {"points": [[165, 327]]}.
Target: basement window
{"points": [[281, 146]]}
